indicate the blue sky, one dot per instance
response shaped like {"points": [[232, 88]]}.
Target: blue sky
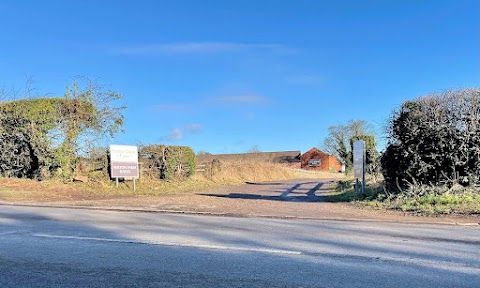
{"points": [[225, 76]]}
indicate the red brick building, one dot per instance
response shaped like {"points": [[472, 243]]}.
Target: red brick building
{"points": [[315, 159]]}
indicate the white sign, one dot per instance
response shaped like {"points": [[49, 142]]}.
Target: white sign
{"points": [[358, 159], [123, 161]]}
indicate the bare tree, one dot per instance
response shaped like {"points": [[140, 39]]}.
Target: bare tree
{"points": [[89, 116], [254, 149], [337, 142]]}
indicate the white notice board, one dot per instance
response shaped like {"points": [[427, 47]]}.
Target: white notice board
{"points": [[123, 161]]}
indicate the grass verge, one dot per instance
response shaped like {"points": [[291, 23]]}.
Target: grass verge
{"points": [[418, 199], [24, 190]]}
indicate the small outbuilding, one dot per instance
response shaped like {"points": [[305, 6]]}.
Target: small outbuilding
{"points": [[315, 159]]}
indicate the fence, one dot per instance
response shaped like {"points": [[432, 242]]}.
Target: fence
{"points": [[318, 174]]}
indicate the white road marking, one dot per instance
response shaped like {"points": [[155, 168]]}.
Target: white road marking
{"points": [[10, 232], [461, 267], [202, 246]]}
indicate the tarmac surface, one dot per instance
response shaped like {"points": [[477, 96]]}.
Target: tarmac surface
{"points": [[64, 247]]}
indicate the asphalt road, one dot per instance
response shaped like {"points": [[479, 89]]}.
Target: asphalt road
{"points": [[51, 247]]}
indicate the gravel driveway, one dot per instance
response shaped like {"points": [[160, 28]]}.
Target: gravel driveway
{"points": [[304, 198]]}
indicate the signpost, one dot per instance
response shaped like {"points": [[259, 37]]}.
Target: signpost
{"points": [[359, 164], [124, 163]]}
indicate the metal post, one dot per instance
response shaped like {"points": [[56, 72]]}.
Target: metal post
{"points": [[134, 184], [363, 168], [363, 180], [116, 182]]}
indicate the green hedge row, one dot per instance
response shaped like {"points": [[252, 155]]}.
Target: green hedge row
{"points": [[170, 161]]}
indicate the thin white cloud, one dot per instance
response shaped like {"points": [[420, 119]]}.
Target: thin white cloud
{"points": [[201, 47], [245, 99], [194, 128], [175, 135]]}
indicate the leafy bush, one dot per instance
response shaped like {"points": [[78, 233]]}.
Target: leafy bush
{"points": [[45, 136], [434, 140], [25, 148]]}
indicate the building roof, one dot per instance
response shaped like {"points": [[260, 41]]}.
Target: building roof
{"points": [[315, 150], [273, 157]]}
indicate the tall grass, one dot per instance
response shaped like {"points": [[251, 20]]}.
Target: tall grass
{"points": [[224, 174], [240, 172], [235, 173]]}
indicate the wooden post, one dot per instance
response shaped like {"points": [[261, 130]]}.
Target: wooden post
{"points": [[140, 170]]}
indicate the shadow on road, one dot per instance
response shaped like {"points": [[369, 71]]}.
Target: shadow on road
{"points": [[309, 191], [45, 247], [302, 198]]}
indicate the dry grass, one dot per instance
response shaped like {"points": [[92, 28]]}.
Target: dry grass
{"points": [[12, 190], [298, 173], [233, 173]]}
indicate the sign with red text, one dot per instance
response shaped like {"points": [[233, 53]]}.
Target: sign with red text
{"points": [[123, 161]]}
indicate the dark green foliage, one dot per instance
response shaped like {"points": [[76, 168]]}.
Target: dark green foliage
{"points": [[41, 136], [27, 135], [170, 161], [434, 140], [24, 145]]}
